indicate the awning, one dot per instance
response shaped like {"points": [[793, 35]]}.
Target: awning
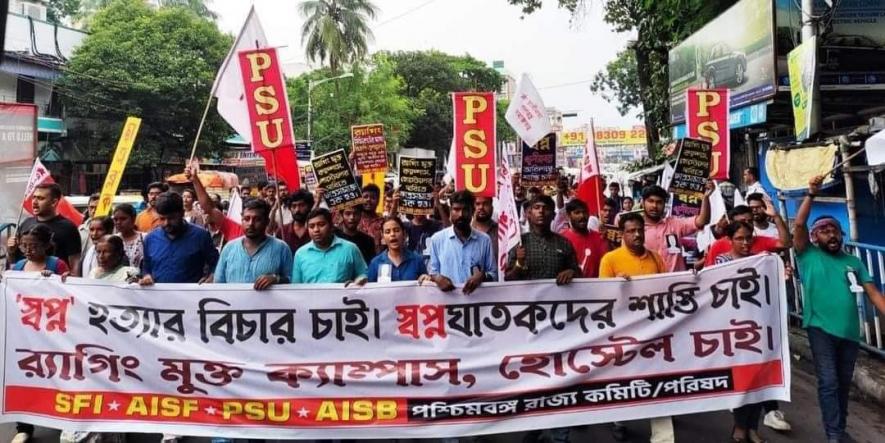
{"points": [[636, 176], [49, 125], [237, 140]]}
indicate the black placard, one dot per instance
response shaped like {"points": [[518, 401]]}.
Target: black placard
{"points": [[539, 162], [692, 168], [416, 177], [336, 178]]}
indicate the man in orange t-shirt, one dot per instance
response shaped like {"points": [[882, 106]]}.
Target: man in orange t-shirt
{"points": [[148, 219]]}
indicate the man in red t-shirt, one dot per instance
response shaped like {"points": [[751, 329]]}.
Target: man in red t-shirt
{"points": [[760, 243], [589, 245]]}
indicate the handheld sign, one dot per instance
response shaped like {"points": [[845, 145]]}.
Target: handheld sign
{"points": [[416, 185], [334, 175], [690, 176], [539, 162], [369, 148]]}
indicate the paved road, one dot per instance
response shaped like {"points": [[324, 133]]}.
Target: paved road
{"points": [[866, 424]]}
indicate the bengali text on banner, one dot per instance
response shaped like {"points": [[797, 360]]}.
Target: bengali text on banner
{"points": [[396, 360]]}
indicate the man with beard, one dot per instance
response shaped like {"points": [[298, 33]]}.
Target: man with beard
{"points": [[348, 229], [327, 258], [482, 221], [255, 257], [832, 281], [664, 234], [295, 234], [459, 254], [371, 221], [589, 245], [179, 252], [148, 219], [763, 225], [65, 235]]}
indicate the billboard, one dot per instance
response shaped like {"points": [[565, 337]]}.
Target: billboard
{"points": [[735, 51], [852, 52], [18, 132], [634, 136]]}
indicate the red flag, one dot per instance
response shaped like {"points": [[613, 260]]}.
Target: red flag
{"points": [[269, 115], [40, 175], [590, 184], [706, 116]]}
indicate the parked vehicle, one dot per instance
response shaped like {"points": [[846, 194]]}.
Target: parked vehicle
{"points": [[725, 67]]}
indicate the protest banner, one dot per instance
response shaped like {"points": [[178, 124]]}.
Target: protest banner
{"points": [[690, 176], [474, 142], [308, 178], [369, 148], [707, 119], [416, 185], [333, 174], [377, 179], [269, 115], [394, 360], [118, 165], [539, 162]]}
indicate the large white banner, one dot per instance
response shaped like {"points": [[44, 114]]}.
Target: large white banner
{"points": [[390, 361], [527, 114]]}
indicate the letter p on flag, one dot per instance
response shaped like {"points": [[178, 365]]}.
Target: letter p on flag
{"points": [[706, 118]]}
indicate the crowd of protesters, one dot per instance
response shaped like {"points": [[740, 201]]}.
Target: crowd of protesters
{"points": [[289, 236]]}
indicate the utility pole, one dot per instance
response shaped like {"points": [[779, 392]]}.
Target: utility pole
{"points": [[809, 31]]}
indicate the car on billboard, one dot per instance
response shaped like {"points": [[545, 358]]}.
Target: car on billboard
{"points": [[725, 67]]}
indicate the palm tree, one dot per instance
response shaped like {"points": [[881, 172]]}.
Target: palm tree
{"points": [[336, 31]]}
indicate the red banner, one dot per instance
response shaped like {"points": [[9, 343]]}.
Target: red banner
{"points": [[706, 117], [474, 145], [268, 104]]}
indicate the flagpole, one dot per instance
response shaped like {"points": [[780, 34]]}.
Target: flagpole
{"points": [[273, 160], [200, 128]]}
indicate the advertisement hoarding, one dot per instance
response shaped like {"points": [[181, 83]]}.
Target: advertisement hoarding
{"points": [[735, 51]]}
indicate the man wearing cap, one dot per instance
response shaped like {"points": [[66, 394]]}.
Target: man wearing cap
{"points": [[832, 280]]}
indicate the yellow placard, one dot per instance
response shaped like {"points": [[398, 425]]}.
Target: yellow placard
{"points": [[118, 164]]}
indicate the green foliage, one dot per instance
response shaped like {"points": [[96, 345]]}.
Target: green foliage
{"points": [[429, 77], [373, 95], [88, 8], [155, 64], [58, 10], [336, 31], [637, 78]]}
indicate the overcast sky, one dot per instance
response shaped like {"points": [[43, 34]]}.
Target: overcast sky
{"points": [[561, 58]]}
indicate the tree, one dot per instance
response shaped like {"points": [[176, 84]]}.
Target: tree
{"points": [[336, 31], [155, 64], [373, 95], [639, 74], [58, 10], [429, 77], [87, 9]]}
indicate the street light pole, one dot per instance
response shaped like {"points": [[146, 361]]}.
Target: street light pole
{"points": [[310, 85]]}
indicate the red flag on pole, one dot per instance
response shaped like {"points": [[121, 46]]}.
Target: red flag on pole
{"points": [[40, 175], [590, 184]]}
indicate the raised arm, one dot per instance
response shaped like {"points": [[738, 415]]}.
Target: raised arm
{"points": [[704, 217], [800, 224], [783, 234], [215, 215]]}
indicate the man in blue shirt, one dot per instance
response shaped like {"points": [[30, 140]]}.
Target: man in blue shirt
{"points": [[256, 257], [461, 254], [176, 252], [327, 258]]}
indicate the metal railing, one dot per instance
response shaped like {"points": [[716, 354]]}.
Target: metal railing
{"points": [[873, 257], [871, 320]]}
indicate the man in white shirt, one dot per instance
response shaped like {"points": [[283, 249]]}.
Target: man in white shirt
{"points": [[751, 180]]}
